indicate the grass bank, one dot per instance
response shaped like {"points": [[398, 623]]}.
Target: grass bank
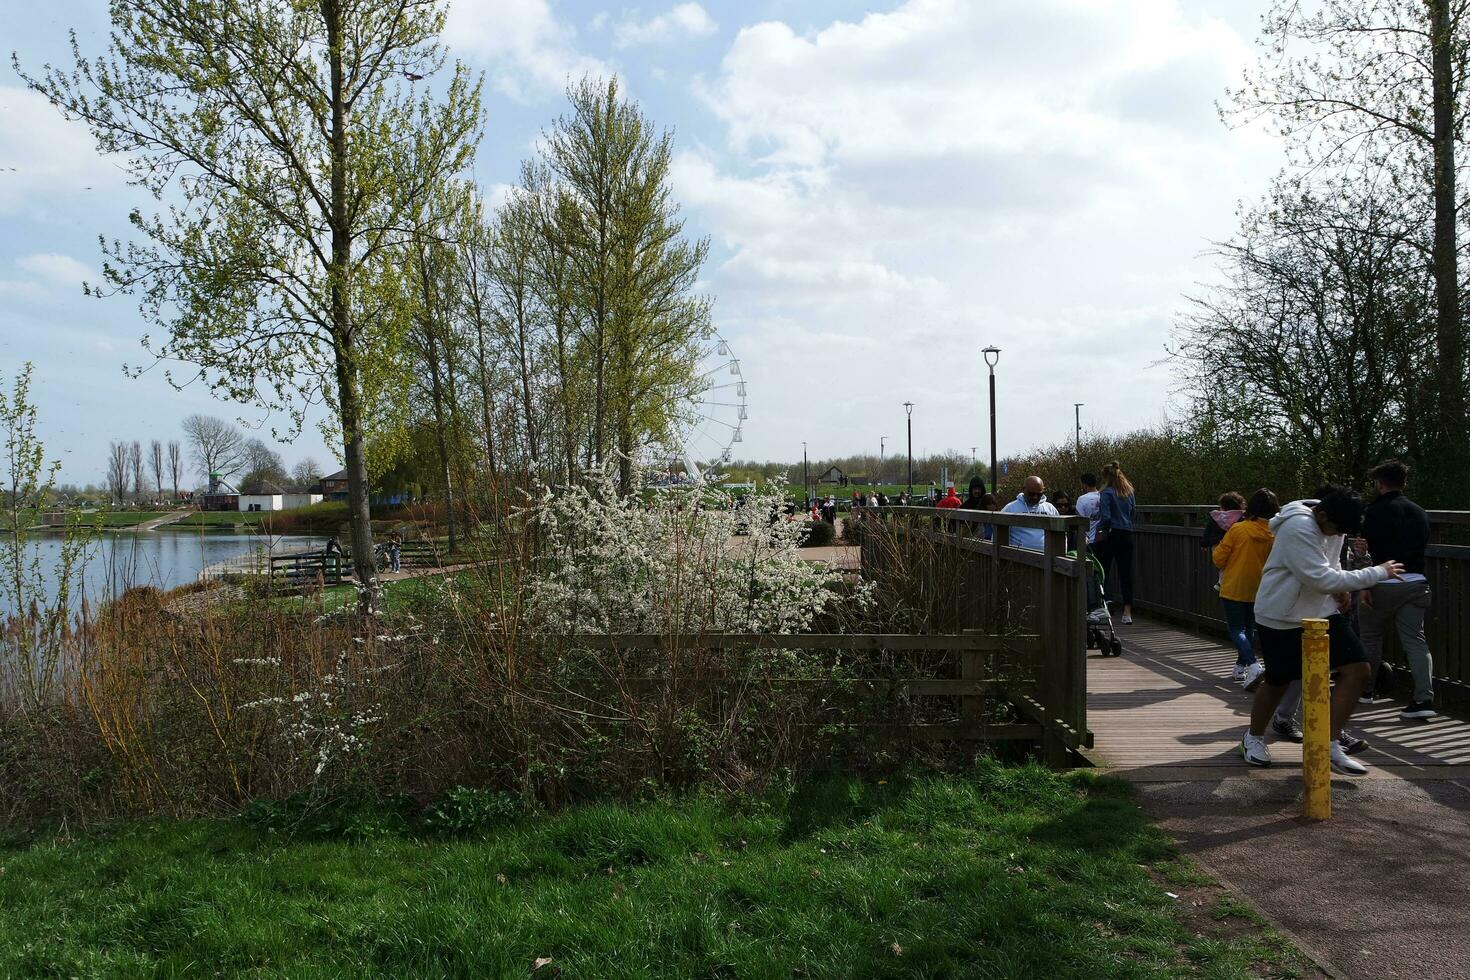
{"points": [[999, 873]]}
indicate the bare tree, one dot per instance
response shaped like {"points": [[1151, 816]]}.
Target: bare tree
{"points": [[117, 471], [216, 446], [135, 468], [175, 464], [305, 473], [155, 462]]}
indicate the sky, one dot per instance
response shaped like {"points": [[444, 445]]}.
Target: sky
{"points": [[888, 188]]}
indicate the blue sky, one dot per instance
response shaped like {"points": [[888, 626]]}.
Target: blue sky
{"points": [[888, 187]]}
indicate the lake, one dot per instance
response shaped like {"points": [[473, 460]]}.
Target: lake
{"points": [[118, 560]]}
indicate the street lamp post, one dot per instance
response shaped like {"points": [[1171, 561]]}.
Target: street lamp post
{"points": [[992, 355], [909, 408], [806, 497], [1077, 408], [882, 442]]}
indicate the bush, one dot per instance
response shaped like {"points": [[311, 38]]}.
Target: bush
{"points": [[817, 534], [465, 811]]}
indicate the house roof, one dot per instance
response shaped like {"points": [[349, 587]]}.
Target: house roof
{"points": [[339, 476], [262, 488]]}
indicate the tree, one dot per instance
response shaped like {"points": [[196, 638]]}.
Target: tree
{"points": [[135, 469], [175, 465], [305, 473], [631, 270], [261, 462], [306, 163], [215, 445], [1313, 347], [1377, 87], [117, 472], [155, 462]]}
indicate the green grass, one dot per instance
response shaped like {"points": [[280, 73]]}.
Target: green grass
{"points": [[1002, 873], [223, 518]]}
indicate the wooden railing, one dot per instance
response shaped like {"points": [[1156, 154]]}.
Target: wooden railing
{"points": [[940, 561], [1175, 576], [917, 688]]}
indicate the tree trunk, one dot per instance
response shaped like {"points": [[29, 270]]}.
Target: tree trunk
{"points": [[348, 396], [1449, 344]]}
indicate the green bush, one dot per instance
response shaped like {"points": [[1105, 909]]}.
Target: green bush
{"points": [[464, 811], [818, 534]]}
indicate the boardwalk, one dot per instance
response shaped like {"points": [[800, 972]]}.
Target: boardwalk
{"points": [[1168, 705]]}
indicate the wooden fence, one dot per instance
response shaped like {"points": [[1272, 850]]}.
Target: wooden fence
{"points": [[1175, 576], [919, 688], [941, 562]]}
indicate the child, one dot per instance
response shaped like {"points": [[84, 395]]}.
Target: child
{"points": [[1232, 509]]}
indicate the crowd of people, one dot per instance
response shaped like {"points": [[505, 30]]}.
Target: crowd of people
{"points": [[1361, 568]]}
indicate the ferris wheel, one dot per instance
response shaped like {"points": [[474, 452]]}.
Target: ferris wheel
{"points": [[712, 420]]}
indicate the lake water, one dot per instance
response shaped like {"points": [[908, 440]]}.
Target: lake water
{"points": [[117, 561]]}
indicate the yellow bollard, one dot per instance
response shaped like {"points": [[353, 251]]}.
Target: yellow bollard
{"points": [[1316, 721]]}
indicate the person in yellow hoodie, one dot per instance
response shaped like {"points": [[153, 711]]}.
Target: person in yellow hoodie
{"points": [[1241, 555]]}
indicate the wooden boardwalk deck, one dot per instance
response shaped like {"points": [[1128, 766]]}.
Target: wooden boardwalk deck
{"points": [[1168, 705]]}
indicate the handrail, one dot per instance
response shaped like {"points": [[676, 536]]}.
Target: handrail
{"points": [[1039, 521]]}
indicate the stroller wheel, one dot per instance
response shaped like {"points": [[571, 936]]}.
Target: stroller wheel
{"points": [[1116, 647]]}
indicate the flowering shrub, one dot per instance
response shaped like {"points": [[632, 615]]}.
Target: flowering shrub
{"points": [[674, 560]]}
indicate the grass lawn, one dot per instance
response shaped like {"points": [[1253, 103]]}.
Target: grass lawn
{"points": [[1002, 873], [223, 518]]}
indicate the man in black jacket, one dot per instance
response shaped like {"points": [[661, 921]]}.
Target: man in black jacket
{"points": [[1397, 527]]}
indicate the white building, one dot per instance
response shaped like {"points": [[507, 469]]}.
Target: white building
{"points": [[262, 496], [291, 500]]}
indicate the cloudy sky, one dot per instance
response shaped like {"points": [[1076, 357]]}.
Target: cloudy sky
{"points": [[888, 187]]}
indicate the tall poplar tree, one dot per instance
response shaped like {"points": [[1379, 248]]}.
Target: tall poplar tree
{"points": [[300, 144]]}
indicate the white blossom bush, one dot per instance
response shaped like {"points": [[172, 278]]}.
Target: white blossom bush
{"points": [[674, 559], [321, 724]]}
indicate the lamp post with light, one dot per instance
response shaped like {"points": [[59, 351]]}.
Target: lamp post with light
{"points": [[992, 356], [909, 408]]}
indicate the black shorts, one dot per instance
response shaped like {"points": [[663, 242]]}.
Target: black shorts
{"points": [[1281, 650]]}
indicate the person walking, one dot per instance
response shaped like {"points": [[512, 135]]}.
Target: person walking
{"points": [[1241, 556], [950, 500], [1395, 526], [1303, 579], [1031, 500], [395, 551], [1115, 533], [975, 496], [1088, 503]]}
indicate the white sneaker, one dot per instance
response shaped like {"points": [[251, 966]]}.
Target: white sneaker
{"points": [[1238, 673], [1254, 751], [1344, 763], [1127, 620], [1251, 678]]}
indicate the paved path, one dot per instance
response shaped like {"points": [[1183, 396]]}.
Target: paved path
{"points": [[1380, 890], [158, 522]]}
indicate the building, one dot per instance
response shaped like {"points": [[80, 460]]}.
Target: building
{"points": [[219, 496], [833, 476], [332, 487], [263, 495], [291, 500]]}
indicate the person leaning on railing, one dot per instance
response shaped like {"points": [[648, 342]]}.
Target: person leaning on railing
{"points": [[1303, 579]]}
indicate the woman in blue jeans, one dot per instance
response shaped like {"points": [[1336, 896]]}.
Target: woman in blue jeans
{"points": [[1240, 556]]}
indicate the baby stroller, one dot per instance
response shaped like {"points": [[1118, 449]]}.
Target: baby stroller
{"points": [[1100, 635]]}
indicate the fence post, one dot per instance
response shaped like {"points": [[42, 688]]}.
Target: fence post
{"points": [[1316, 722]]}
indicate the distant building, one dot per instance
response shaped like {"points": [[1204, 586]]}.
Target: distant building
{"points": [[219, 496], [263, 495], [332, 487], [833, 476], [291, 500]]}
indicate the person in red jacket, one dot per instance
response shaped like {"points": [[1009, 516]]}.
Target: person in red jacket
{"points": [[950, 501]]}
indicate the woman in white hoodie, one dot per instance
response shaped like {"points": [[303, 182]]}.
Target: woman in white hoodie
{"points": [[1304, 579]]}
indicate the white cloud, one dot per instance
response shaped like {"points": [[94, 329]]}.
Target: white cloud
{"points": [[530, 53], [901, 190], [43, 155], [685, 20], [57, 270]]}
